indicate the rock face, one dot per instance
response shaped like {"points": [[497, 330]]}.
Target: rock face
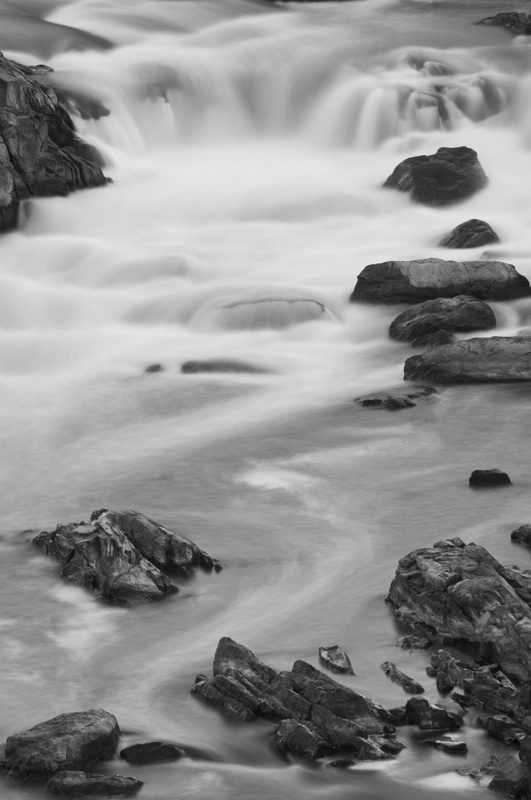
{"points": [[493, 359], [512, 20], [431, 278], [40, 154], [72, 783], [461, 314], [314, 715], [486, 478], [335, 659], [397, 676], [68, 742], [472, 233], [122, 556], [396, 400], [448, 176]]}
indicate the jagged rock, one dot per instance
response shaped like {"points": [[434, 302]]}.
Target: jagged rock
{"points": [[397, 676], [447, 745], [486, 478], [433, 278], [433, 339], [448, 176], [509, 777], [461, 314], [397, 400], [68, 742], [427, 716], [489, 360], [335, 659], [514, 21], [522, 535], [73, 783], [151, 753], [503, 728], [413, 642], [40, 154], [220, 365], [472, 233], [121, 555], [309, 707]]}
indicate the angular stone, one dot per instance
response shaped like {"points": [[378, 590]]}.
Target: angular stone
{"points": [[413, 642], [301, 739], [73, 783], [461, 314], [335, 659], [427, 716], [397, 676], [472, 233]]}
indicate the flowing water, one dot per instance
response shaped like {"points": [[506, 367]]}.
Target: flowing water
{"points": [[247, 145]]}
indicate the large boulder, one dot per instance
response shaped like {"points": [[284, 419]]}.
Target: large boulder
{"points": [[514, 21], [40, 154], [472, 233], [461, 314], [448, 176], [493, 359], [122, 555], [72, 741], [431, 278]]}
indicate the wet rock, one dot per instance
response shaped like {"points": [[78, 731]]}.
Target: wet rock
{"points": [[461, 314], [397, 676], [433, 339], [514, 21], [522, 535], [428, 716], [479, 360], [67, 742], [472, 233], [341, 763], [154, 368], [447, 745], [219, 365], [397, 400], [74, 783], [121, 555], [450, 175], [502, 728], [486, 478], [433, 278], [509, 777], [413, 642], [301, 740], [40, 154], [335, 659], [151, 753]]}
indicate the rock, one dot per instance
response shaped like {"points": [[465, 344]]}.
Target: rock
{"points": [[433, 339], [413, 642], [461, 314], [447, 745], [220, 365], [154, 368], [73, 783], [514, 21], [40, 154], [68, 742], [151, 753], [448, 176], [397, 676], [121, 555], [480, 360], [396, 400], [433, 278], [427, 716], [335, 659], [485, 478], [509, 777], [502, 728], [522, 535], [472, 233], [341, 763], [314, 714]]}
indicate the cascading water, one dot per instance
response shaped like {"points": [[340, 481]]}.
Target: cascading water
{"points": [[247, 144]]}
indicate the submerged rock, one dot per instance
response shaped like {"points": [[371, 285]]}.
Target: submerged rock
{"points": [[522, 535], [72, 783], [396, 400], [485, 478], [432, 278], [486, 360], [219, 365], [70, 741], [450, 175], [461, 314], [472, 233], [397, 676], [335, 659], [514, 21], [151, 753]]}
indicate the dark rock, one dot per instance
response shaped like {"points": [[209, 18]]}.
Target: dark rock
{"points": [[301, 739], [433, 278], [514, 21], [219, 365], [485, 478], [73, 784], [472, 233], [522, 535], [447, 745], [396, 400], [151, 753], [445, 683], [448, 176], [433, 339], [413, 642], [397, 676], [481, 360], [427, 716], [153, 368], [335, 659], [461, 314], [509, 777], [502, 728], [40, 154], [67, 742], [341, 763], [121, 555]]}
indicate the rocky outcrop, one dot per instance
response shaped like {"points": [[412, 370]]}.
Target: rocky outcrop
{"points": [[151, 753], [335, 659], [486, 478], [431, 278], [313, 714], [514, 21], [122, 556], [71, 741], [488, 360], [472, 233], [448, 176], [72, 783], [40, 154], [396, 400], [461, 314], [397, 676]]}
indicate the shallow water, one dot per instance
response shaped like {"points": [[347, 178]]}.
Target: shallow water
{"points": [[247, 146]]}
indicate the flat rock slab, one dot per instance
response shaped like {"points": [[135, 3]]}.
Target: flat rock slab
{"points": [[68, 742], [151, 753], [461, 314], [487, 360], [335, 659], [514, 21], [472, 233], [74, 784], [396, 675], [431, 278], [450, 175], [487, 478], [396, 400]]}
